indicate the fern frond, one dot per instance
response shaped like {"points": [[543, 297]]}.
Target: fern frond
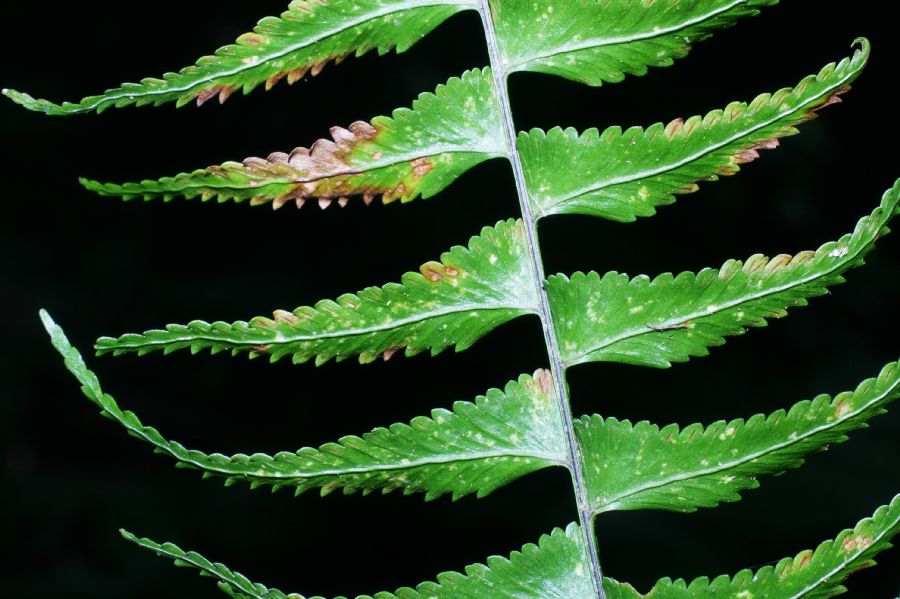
{"points": [[455, 302], [673, 318], [624, 175], [477, 448], [554, 568], [456, 127], [639, 466], [597, 42], [557, 567], [309, 35]]}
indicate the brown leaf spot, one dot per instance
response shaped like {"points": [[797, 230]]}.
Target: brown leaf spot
{"points": [[778, 262], [285, 316], [842, 408], [432, 271], [544, 379], [363, 130], [251, 39], [803, 560], [859, 543], [421, 167], [674, 127], [323, 170], [262, 348]]}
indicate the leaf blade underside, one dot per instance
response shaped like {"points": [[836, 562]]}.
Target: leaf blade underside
{"points": [[557, 568], [625, 175], [641, 466], [601, 42], [474, 449], [310, 34], [416, 151], [671, 319], [455, 302]]}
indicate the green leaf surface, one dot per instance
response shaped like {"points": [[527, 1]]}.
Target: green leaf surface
{"points": [[811, 574], [232, 583], [624, 175], [558, 568], [672, 318], [417, 151], [455, 302], [596, 42], [476, 448], [309, 35], [555, 568], [641, 466]]}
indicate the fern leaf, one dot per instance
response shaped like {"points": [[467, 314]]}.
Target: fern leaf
{"points": [[642, 467], [476, 448], [456, 128], [623, 175], [558, 567], [601, 42], [455, 302], [672, 318], [554, 568], [232, 583], [817, 574], [309, 35]]}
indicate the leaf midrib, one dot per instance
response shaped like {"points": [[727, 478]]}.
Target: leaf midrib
{"points": [[282, 339], [447, 459]]}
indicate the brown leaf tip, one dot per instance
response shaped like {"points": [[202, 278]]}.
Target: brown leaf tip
{"points": [[223, 91], [834, 98], [389, 353]]}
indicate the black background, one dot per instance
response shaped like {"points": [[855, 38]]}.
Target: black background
{"points": [[106, 267]]}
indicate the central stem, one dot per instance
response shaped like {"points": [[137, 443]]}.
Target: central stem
{"points": [[585, 514]]}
